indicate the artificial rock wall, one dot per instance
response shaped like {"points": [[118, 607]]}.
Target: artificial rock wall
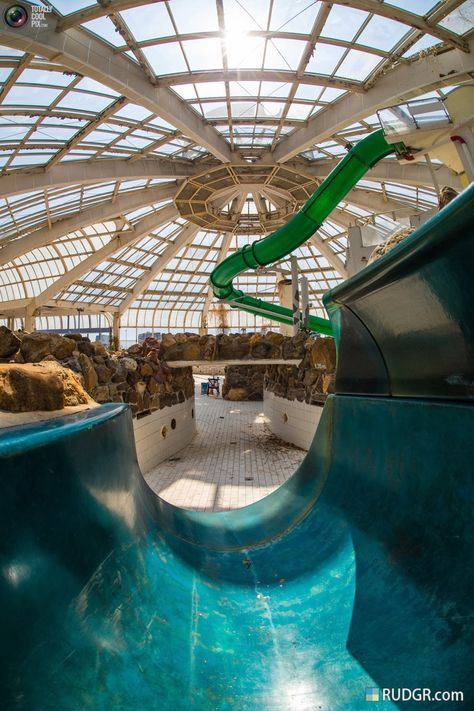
{"points": [[308, 382], [141, 375], [137, 376]]}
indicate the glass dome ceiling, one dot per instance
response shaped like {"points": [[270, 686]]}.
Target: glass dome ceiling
{"points": [[120, 108]]}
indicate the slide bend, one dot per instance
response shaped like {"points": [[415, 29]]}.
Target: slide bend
{"points": [[296, 231]]}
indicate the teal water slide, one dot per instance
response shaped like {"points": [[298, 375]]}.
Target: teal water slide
{"points": [[298, 230], [355, 575]]}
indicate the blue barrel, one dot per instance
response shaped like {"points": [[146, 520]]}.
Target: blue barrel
{"points": [[204, 388]]}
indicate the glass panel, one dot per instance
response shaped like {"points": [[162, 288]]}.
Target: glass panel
{"points": [[461, 20], [30, 96], [195, 16], [148, 22], [166, 58], [203, 54], [343, 22], [283, 54], [358, 65], [291, 16], [105, 29], [418, 7], [39, 76], [382, 33], [424, 43], [324, 59], [67, 7]]}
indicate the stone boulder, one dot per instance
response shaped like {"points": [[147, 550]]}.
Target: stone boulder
{"points": [[323, 354], [91, 379], [73, 390], [39, 386], [240, 378], [394, 239], [36, 346], [237, 394], [9, 342]]}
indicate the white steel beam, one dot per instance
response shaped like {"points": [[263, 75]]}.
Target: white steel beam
{"points": [[224, 248], [407, 18], [378, 205], [184, 238], [326, 251], [84, 173], [406, 81], [282, 76], [86, 55], [121, 240], [128, 202], [413, 173]]}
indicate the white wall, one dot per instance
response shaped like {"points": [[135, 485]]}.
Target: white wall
{"points": [[152, 447], [292, 421]]}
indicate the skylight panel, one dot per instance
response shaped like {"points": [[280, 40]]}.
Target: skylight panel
{"points": [[166, 58], [30, 158], [4, 73], [215, 110], [298, 111], [10, 52], [42, 76], [12, 133], [271, 88], [101, 137], [283, 54], [417, 7], [149, 22], [324, 59], [195, 16], [104, 28], [425, 42], [133, 142], [203, 54], [290, 16], [67, 7], [82, 100], [244, 15], [382, 33], [330, 94], [187, 91], [358, 65], [271, 109], [20, 95], [52, 133], [343, 22], [460, 20], [244, 52], [212, 89], [88, 84], [133, 111]]}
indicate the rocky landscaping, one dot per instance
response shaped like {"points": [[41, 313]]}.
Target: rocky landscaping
{"points": [[243, 382], [142, 377], [137, 376], [312, 380]]}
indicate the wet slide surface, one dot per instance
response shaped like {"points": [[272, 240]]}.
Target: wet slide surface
{"points": [[356, 573], [110, 596]]}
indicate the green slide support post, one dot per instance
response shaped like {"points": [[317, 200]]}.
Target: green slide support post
{"points": [[297, 230]]}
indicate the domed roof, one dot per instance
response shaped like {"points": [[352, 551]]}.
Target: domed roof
{"points": [[142, 142]]}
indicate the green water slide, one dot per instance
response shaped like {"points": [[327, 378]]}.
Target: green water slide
{"points": [[297, 230]]}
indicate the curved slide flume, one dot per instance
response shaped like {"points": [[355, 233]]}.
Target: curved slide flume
{"points": [[356, 575], [296, 231]]}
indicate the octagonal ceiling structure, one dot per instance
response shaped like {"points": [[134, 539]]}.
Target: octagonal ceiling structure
{"points": [[142, 142]]}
